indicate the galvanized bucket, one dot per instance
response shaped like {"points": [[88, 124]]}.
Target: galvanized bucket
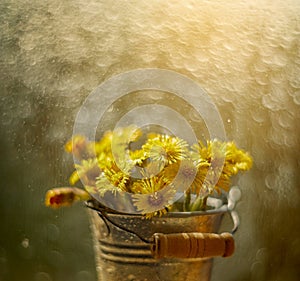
{"points": [[124, 251]]}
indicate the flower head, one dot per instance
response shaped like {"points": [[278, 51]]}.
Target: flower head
{"points": [[87, 171], [65, 196], [236, 159], [153, 197], [222, 155], [111, 178], [165, 149], [80, 147], [182, 174]]}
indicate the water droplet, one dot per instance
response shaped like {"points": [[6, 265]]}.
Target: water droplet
{"points": [[271, 102], [258, 114], [255, 266], [261, 254], [194, 116], [285, 119], [277, 77], [290, 140], [42, 276], [55, 258], [131, 277], [262, 79], [257, 271], [295, 82], [25, 243], [52, 232], [83, 276], [270, 181], [296, 99], [26, 251]]}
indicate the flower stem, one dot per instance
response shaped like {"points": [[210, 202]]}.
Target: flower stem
{"points": [[187, 201], [199, 204]]}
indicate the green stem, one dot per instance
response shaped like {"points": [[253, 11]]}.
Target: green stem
{"points": [[199, 204], [187, 201]]}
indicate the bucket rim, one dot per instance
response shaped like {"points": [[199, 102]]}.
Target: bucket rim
{"points": [[218, 211], [217, 207]]}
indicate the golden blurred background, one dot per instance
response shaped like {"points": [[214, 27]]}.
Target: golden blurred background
{"points": [[245, 54]]}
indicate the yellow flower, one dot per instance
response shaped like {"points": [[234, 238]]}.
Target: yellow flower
{"points": [[152, 169], [74, 178], [182, 174], [80, 147], [112, 180], [154, 196], [105, 160], [104, 145], [65, 196], [114, 148], [166, 149], [236, 159], [137, 156], [214, 151], [150, 185], [217, 162], [103, 185], [212, 180], [218, 153], [87, 171]]}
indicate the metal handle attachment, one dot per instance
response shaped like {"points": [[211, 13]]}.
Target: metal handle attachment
{"points": [[192, 245]]}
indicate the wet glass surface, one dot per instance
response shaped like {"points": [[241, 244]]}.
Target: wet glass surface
{"points": [[246, 55]]}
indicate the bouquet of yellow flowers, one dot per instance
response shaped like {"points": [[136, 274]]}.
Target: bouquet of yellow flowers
{"points": [[148, 173]]}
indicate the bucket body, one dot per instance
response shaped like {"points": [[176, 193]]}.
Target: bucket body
{"points": [[121, 255]]}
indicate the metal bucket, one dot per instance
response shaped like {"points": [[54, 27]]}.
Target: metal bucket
{"points": [[121, 255]]}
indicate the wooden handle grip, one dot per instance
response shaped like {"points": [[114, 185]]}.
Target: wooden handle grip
{"points": [[192, 245]]}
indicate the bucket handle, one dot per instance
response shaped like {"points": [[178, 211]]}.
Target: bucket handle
{"points": [[192, 245], [195, 244]]}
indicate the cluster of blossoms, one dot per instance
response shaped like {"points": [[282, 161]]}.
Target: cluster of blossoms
{"points": [[154, 168]]}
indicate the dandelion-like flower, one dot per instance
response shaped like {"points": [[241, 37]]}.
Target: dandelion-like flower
{"points": [[236, 159], [138, 156], [217, 162], [182, 174], [105, 183], [153, 195], [166, 149], [223, 155], [80, 147], [103, 146], [65, 196], [87, 171]]}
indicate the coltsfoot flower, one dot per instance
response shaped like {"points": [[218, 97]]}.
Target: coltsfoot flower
{"points": [[154, 169], [166, 149]]}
